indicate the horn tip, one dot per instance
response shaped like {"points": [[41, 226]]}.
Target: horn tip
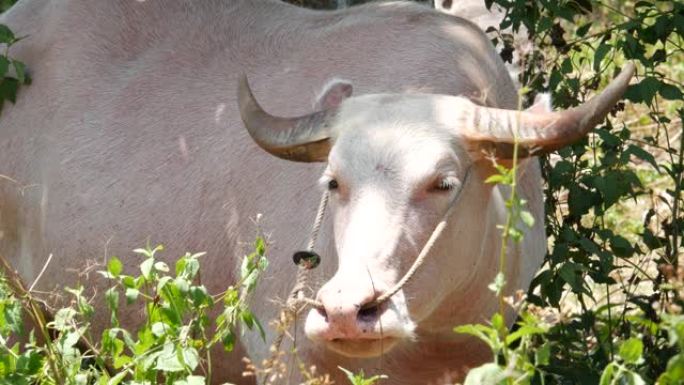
{"points": [[630, 66], [628, 70]]}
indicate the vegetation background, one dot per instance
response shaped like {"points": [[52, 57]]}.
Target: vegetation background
{"points": [[607, 305]]}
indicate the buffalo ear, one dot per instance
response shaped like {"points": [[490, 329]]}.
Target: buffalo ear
{"points": [[333, 94]]}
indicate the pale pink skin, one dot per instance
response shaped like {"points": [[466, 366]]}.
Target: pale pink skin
{"points": [[130, 133]]}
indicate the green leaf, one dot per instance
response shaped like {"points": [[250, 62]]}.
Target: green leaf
{"points": [[19, 70], [600, 53], [112, 298], [643, 4], [118, 378], [608, 374], [644, 91], [128, 281], [642, 154], [495, 179], [498, 322], [8, 89], [146, 268], [161, 266], [114, 266], [498, 284], [4, 66], [524, 331], [68, 342], [348, 373], [262, 332], [581, 31], [162, 283], [570, 274], [6, 35], [168, 360], [589, 246], [191, 358], [566, 66], [484, 333], [144, 252], [64, 318], [631, 350], [200, 296], [543, 354], [11, 317], [191, 380], [527, 218], [182, 284], [30, 363], [674, 372], [360, 379], [191, 268], [159, 329], [651, 240], [621, 246], [670, 92], [132, 295], [228, 341], [247, 318], [260, 246], [121, 361], [489, 374], [580, 200], [81, 379], [608, 138]]}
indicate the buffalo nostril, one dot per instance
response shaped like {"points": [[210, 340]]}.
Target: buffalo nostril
{"points": [[368, 313], [322, 312]]}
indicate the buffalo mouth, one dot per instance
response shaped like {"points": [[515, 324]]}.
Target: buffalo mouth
{"points": [[367, 334], [362, 348]]}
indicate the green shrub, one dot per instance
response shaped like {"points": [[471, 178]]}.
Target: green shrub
{"points": [[613, 203], [12, 72], [171, 346]]}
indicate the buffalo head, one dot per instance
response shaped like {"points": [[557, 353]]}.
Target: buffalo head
{"points": [[395, 162]]}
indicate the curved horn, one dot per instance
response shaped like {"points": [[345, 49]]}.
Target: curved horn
{"points": [[496, 130], [301, 139]]}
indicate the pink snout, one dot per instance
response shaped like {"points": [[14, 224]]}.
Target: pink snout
{"points": [[351, 324], [348, 313]]}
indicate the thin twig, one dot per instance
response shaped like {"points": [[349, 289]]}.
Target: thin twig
{"points": [[35, 281]]}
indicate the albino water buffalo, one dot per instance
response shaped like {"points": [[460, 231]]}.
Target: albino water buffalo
{"points": [[132, 131]]}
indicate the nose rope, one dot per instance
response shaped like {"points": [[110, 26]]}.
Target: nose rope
{"points": [[296, 301], [297, 294]]}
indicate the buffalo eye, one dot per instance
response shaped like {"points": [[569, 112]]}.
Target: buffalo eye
{"points": [[332, 185], [445, 184]]}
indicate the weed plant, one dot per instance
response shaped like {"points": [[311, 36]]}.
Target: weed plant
{"points": [[606, 307], [171, 346]]}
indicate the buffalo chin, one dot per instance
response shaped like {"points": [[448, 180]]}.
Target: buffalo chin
{"points": [[362, 348]]}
